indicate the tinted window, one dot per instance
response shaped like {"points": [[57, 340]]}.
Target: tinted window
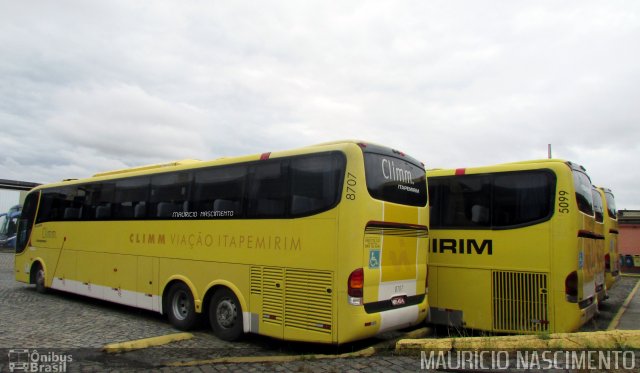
{"points": [[492, 200], [169, 194], [598, 208], [522, 197], [463, 201], [26, 221], [4, 220], [218, 192], [395, 180], [98, 201], [59, 204], [10, 228], [583, 192], [130, 201], [277, 188], [268, 190], [315, 183]]}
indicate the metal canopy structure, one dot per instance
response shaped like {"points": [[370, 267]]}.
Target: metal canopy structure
{"points": [[16, 185]]}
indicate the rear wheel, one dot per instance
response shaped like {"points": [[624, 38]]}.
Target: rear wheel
{"points": [[225, 315], [180, 307]]}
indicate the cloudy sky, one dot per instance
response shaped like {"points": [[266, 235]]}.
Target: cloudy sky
{"points": [[88, 86]]}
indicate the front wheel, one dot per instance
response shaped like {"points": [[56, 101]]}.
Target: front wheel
{"points": [[225, 315], [180, 307], [40, 279]]}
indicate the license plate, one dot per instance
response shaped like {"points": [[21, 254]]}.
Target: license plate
{"points": [[398, 301]]}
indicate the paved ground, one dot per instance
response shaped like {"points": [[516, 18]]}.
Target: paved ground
{"points": [[56, 324], [631, 317]]}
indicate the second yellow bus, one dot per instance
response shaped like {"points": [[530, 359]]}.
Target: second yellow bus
{"points": [[512, 247]]}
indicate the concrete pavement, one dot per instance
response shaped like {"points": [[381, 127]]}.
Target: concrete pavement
{"points": [[629, 314]]}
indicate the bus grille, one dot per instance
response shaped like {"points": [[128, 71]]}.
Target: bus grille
{"points": [[520, 302], [256, 280], [298, 298], [272, 295], [308, 302]]}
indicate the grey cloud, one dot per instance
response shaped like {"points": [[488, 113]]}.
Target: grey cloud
{"points": [[89, 86]]}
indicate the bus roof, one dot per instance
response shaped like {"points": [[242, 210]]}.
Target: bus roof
{"points": [[504, 167], [605, 190], [188, 164], [147, 167]]}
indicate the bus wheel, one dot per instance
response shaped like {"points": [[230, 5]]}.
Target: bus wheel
{"points": [[40, 279], [225, 315], [181, 308]]}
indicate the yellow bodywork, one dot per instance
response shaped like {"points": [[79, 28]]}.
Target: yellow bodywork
{"points": [[612, 274], [289, 275], [513, 279]]}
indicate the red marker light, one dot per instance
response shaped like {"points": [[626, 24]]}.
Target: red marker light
{"points": [[355, 283]]}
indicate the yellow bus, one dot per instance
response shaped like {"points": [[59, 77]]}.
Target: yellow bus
{"points": [[326, 243], [512, 247], [611, 257], [598, 235]]}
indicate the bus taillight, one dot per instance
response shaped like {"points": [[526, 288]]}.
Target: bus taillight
{"points": [[571, 287], [355, 286], [607, 263]]}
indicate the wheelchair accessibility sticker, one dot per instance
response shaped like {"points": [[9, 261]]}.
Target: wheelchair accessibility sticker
{"points": [[374, 258]]}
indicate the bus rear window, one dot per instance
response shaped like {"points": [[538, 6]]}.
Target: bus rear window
{"points": [[395, 180], [498, 200]]}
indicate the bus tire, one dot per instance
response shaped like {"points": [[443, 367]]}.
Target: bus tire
{"points": [[225, 315], [39, 279], [181, 309]]}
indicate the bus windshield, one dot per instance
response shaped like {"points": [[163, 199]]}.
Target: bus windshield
{"points": [[583, 192], [3, 224], [393, 179], [597, 206], [611, 205]]}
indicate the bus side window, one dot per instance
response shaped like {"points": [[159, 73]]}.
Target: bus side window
{"points": [[268, 191], [98, 202], [314, 183], [130, 198], [73, 202], [59, 204], [170, 193], [218, 191]]}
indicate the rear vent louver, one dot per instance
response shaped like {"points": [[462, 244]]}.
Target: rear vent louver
{"points": [[297, 298], [520, 302], [308, 302], [272, 291]]}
